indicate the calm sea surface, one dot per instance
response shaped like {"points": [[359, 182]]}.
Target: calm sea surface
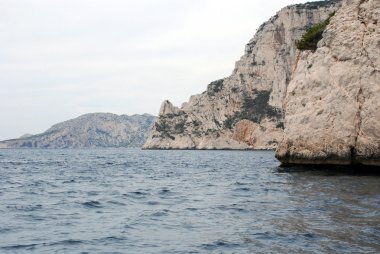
{"points": [[132, 201]]}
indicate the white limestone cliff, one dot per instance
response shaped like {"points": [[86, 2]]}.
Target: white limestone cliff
{"points": [[332, 106], [244, 110]]}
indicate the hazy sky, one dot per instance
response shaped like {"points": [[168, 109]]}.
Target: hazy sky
{"points": [[63, 58]]}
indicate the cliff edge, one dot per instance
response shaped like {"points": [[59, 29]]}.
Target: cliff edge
{"points": [[244, 110]]}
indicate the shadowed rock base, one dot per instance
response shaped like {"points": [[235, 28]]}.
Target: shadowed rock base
{"points": [[329, 159]]}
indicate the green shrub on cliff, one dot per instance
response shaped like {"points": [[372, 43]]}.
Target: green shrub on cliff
{"points": [[313, 35]]}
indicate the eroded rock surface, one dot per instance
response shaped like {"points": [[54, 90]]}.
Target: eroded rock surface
{"points": [[332, 105], [244, 110]]}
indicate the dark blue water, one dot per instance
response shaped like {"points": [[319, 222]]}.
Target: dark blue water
{"points": [[132, 201]]}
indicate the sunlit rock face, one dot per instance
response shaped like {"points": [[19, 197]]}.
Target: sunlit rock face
{"points": [[90, 130], [244, 110], [332, 106]]}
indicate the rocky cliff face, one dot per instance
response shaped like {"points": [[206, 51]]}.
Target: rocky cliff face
{"points": [[333, 102], [90, 130], [244, 110]]}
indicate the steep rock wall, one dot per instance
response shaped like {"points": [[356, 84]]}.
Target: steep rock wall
{"points": [[332, 105], [244, 110]]}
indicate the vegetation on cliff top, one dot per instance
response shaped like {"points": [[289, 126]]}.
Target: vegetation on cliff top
{"points": [[313, 35], [316, 4]]}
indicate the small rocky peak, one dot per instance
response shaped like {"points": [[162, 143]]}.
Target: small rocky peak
{"points": [[168, 108]]}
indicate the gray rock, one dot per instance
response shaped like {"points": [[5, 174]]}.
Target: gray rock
{"points": [[90, 130]]}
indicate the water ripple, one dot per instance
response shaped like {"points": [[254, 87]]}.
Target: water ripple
{"points": [[118, 200]]}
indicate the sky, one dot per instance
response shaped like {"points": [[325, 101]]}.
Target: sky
{"points": [[63, 58]]}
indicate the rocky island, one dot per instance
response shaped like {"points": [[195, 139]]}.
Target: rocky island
{"points": [[90, 130]]}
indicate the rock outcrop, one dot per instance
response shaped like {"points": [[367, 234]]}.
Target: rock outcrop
{"points": [[332, 107], [90, 130], [244, 110]]}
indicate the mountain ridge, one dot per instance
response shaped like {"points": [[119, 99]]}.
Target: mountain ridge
{"points": [[90, 130]]}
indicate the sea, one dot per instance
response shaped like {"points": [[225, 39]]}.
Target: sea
{"points": [[144, 201]]}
